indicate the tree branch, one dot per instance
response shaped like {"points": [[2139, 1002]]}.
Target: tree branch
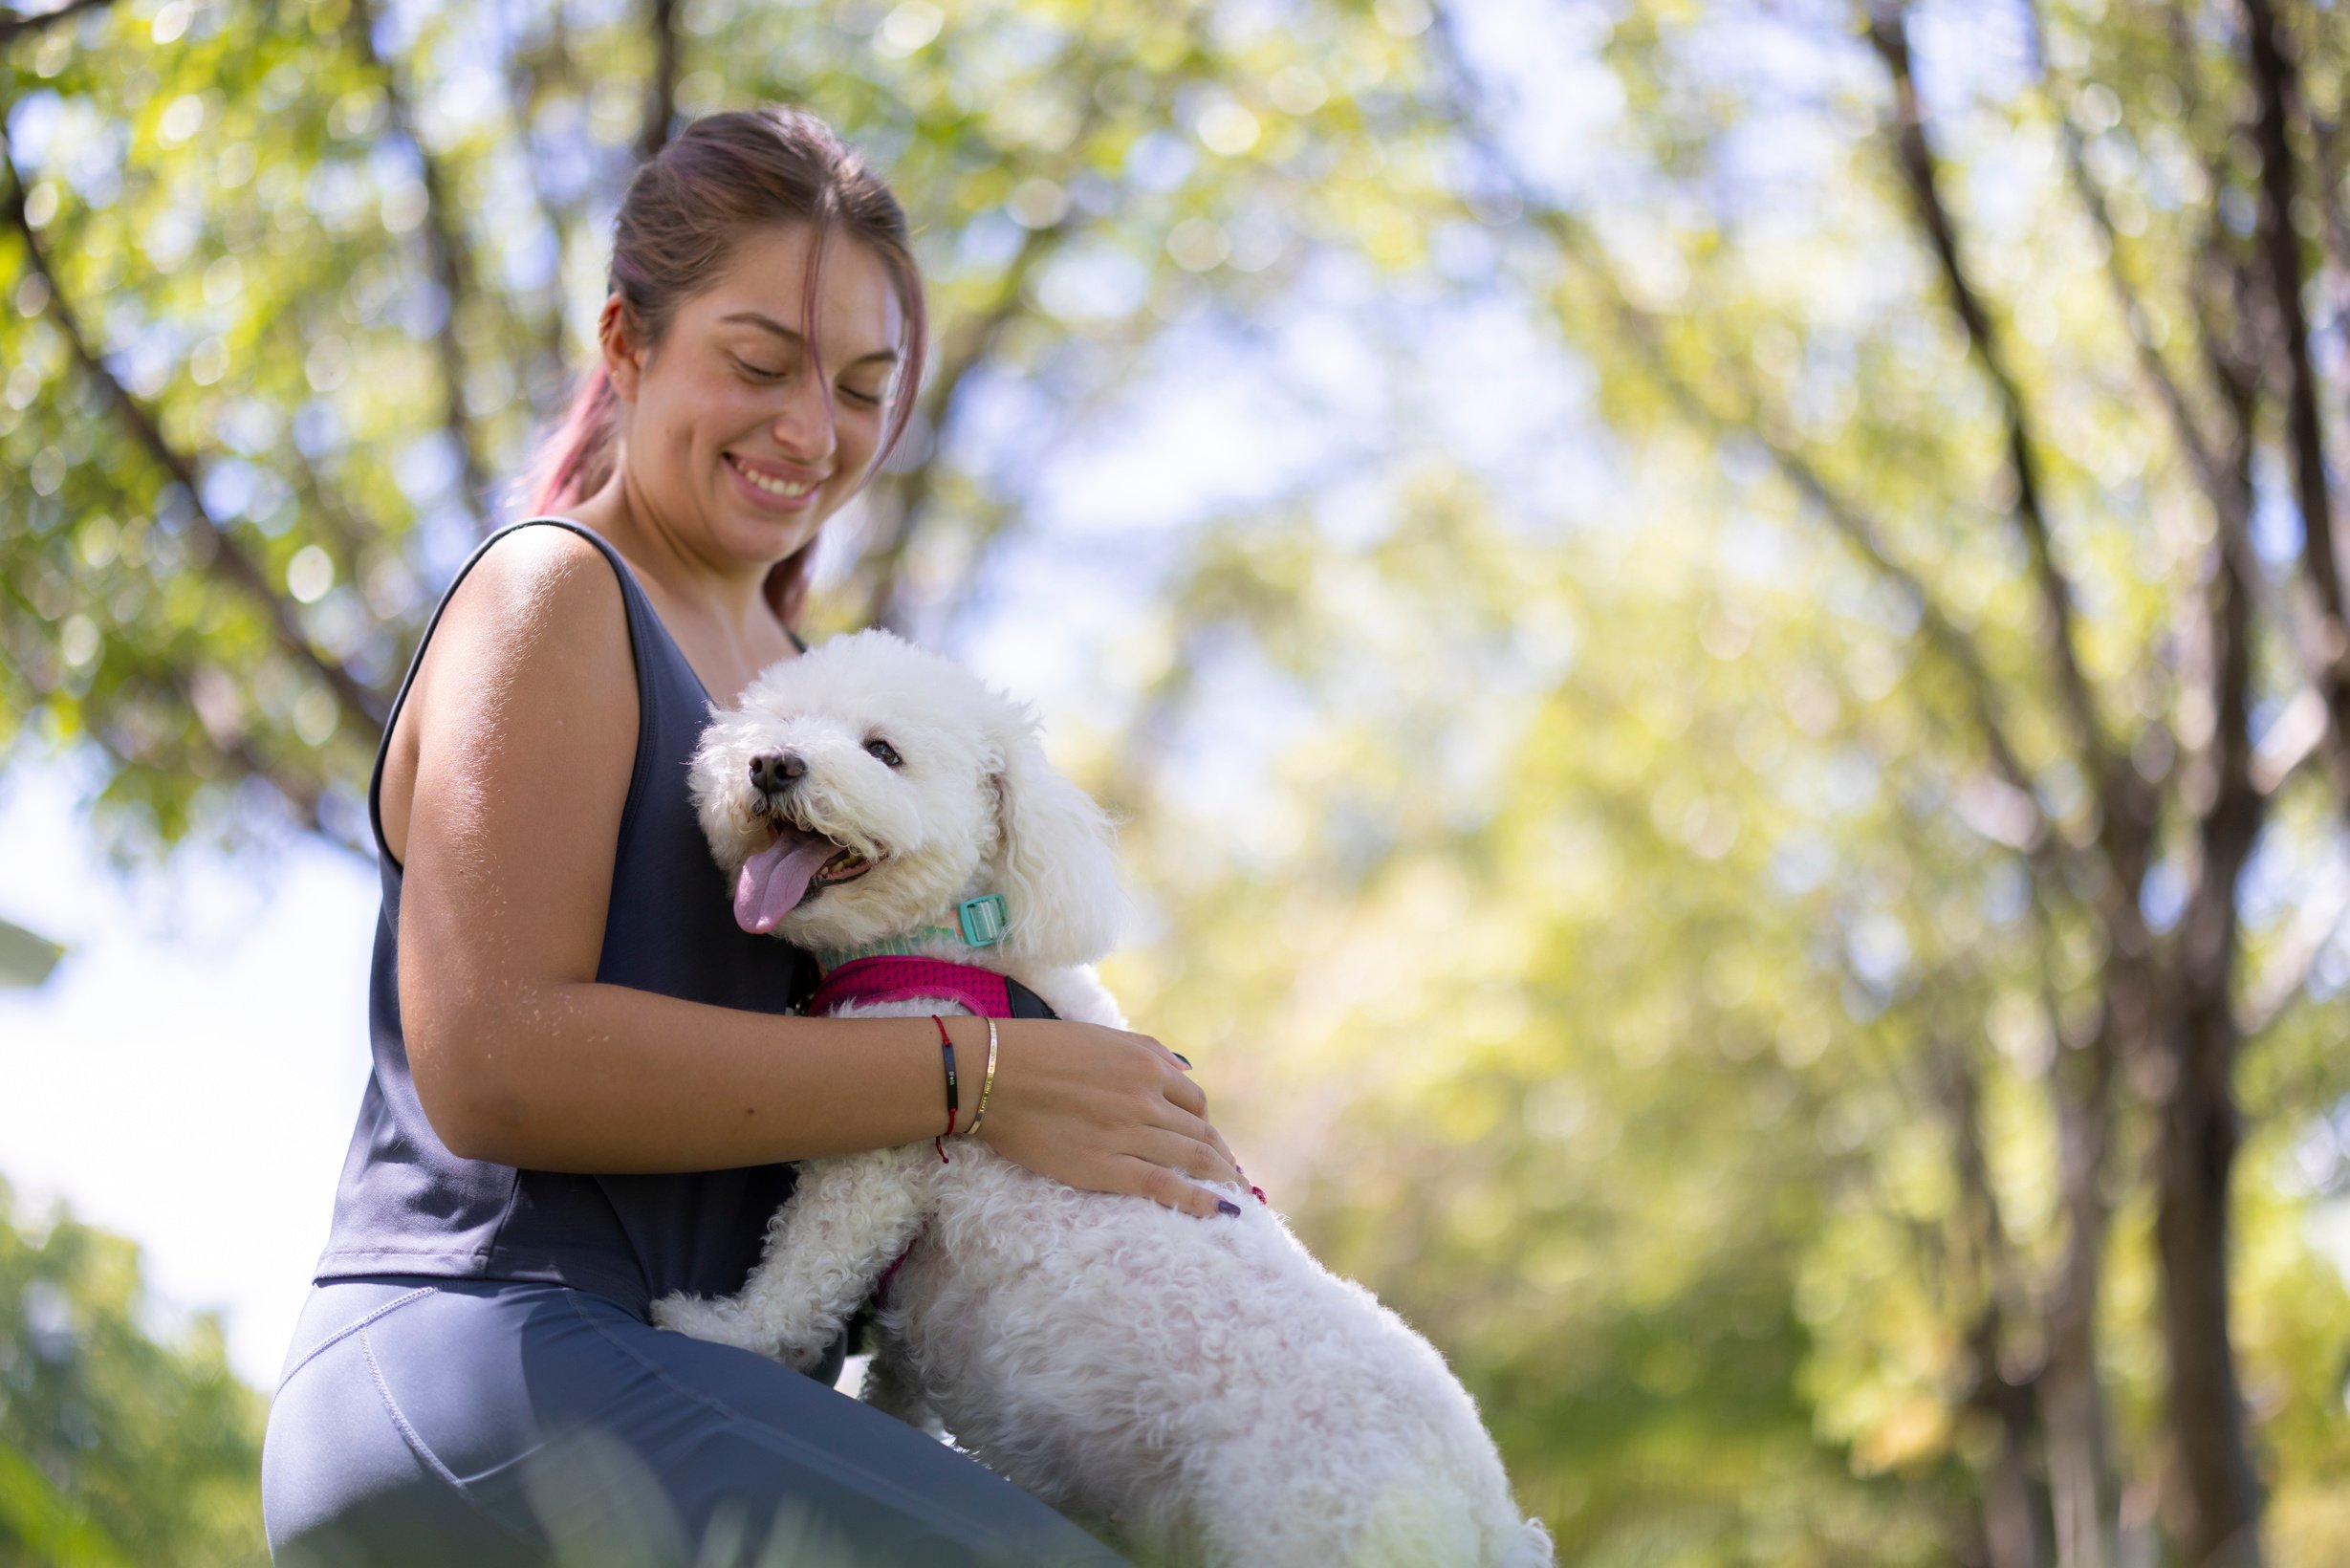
{"points": [[660, 89], [2218, 463], [973, 342], [223, 555], [1944, 632], [991, 527], [2276, 80], [303, 797], [526, 81], [2199, 448], [1888, 32], [451, 260], [14, 24]]}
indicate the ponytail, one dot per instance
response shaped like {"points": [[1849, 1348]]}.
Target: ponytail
{"points": [[577, 458]]}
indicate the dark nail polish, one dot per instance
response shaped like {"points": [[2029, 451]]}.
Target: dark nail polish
{"points": [[1180, 1056], [1226, 1206]]}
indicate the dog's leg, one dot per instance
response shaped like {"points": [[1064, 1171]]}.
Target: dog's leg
{"points": [[847, 1219], [892, 1389]]}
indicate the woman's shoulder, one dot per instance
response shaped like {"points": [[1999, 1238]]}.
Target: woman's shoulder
{"points": [[525, 667], [540, 590], [545, 562]]}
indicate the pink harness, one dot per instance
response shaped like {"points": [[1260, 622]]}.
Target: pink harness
{"points": [[892, 978], [888, 978]]}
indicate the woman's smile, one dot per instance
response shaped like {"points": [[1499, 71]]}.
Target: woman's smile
{"points": [[770, 489]]}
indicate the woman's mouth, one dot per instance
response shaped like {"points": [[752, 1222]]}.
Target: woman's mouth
{"points": [[772, 490]]}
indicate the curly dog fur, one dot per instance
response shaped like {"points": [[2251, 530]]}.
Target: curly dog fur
{"points": [[1199, 1392]]}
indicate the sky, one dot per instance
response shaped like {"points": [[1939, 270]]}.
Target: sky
{"points": [[190, 1073]]}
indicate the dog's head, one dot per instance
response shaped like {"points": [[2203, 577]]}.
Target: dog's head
{"points": [[865, 788]]}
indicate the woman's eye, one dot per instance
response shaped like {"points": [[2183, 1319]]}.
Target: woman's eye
{"points": [[750, 369], [863, 400], [887, 752]]}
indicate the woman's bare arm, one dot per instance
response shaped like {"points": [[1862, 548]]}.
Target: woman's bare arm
{"points": [[519, 735]]}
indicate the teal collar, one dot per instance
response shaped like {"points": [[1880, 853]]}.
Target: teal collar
{"points": [[979, 922]]}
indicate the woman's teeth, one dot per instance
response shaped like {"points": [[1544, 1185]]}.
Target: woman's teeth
{"points": [[773, 486]]}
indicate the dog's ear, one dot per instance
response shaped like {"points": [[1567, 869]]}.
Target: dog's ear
{"points": [[1055, 863]]}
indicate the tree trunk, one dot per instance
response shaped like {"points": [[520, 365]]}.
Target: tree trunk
{"points": [[2219, 1512], [2083, 1497], [2014, 1504], [2216, 1505]]}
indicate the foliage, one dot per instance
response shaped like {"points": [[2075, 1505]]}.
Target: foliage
{"points": [[1745, 820], [115, 1446]]}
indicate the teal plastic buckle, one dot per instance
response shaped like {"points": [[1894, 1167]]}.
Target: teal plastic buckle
{"points": [[983, 920]]}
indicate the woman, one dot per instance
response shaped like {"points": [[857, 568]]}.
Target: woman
{"points": [[583, 1093]]}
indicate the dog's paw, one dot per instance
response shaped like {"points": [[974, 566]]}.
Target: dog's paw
{"points": [[727, 1322], [680, 1313], [707, 1319]]}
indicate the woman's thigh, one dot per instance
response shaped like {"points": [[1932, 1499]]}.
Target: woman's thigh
{"points": [[489, 1423]]}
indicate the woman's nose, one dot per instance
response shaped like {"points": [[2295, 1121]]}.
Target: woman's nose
{"points": [[804, 427]]}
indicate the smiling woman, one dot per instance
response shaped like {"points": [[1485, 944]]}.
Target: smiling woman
{"points": [[753, 432], [588, 1086]]}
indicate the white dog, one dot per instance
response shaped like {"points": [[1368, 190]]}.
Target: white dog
{"points": [[1200, 1391]]}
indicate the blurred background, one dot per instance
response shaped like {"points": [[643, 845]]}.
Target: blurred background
{"points": [[1718, 629]]}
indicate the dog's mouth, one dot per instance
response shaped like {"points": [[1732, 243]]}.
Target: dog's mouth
{"points": [[796, 867]]}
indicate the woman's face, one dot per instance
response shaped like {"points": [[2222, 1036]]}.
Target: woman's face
{"points": [[733, 440]]}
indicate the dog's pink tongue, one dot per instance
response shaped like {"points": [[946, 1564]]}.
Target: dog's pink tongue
{"points": [[775, 879]]}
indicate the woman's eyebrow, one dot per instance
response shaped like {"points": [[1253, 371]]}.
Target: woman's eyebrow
{"points": [[886, 355]]}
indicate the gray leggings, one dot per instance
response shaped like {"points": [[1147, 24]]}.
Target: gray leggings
{"points": [[498, 1423]]}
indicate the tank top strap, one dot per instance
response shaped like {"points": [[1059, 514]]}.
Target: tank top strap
{"points": [[665, 676]]}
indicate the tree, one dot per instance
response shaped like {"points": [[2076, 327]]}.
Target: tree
{"points": [[1792, 919], [116, 1448], [2091, 693]]}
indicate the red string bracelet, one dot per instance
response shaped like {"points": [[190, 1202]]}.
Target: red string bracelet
{"points": [[946, 1055]]}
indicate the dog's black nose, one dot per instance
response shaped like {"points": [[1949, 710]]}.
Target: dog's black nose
{"points": [[775, 773]]}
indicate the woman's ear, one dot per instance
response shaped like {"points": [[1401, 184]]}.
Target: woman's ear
{"points": [[618, 335], [1055, 861]]}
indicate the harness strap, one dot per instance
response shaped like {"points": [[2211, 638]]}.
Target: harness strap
{"points": [[888, 978], [894, 979]]}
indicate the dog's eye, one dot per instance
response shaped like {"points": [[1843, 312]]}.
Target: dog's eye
{"points": [[887, 752]]}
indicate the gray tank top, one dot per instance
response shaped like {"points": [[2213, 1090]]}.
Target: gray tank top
{"points": [[408, 1206]]}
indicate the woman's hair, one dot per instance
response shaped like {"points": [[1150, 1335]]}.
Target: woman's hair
{"points": [[723, 177]]}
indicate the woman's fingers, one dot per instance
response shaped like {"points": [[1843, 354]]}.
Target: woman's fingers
{"points": [[1174, 1057], [1198, 1135], [1182, 1089], [1161, 1183], [1225, 1151], [1189, 1118], [1076, 1102], [1192, 1155]]}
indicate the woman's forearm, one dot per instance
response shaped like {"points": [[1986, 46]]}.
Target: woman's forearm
{"points": [[583, 1077]]}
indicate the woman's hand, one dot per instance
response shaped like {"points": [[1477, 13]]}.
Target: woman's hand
{"points": [[1107, 1110]]}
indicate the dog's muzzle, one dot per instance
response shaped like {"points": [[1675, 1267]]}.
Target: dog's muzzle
{"points": [[772, 772]]}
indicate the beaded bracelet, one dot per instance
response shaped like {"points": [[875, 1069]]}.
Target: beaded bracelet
{"points": [[946, 1055]]}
